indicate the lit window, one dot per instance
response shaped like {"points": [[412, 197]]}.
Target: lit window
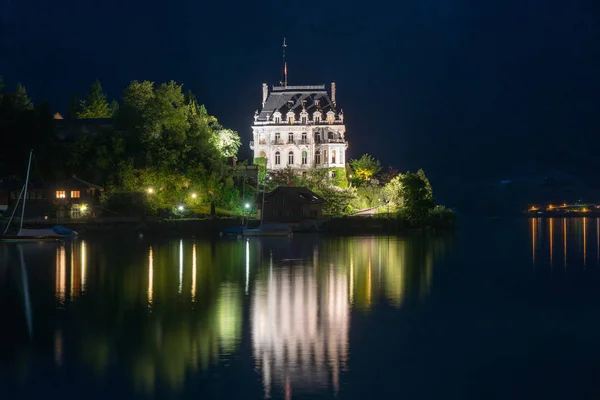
{"points": [[61, 194], [277, 158], [291, 158], [262, 154], [333, 157], [304, 158], [325, 156], [75, 194]]}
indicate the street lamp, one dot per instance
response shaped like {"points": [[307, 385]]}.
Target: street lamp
{"points": [[247, 205], [180, 208], [150, 190]]}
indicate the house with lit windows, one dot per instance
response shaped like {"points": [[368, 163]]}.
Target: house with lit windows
{"points": [[299, 127], [71, 198]]}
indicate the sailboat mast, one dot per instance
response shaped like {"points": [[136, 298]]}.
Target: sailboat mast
{"points": [[26, 185]]}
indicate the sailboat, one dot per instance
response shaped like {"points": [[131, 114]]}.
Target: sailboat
{"points": [[33, 235]]}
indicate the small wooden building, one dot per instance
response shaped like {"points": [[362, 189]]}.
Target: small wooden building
{"points": [[291, 204]]}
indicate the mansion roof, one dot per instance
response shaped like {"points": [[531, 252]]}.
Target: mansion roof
{"points": [[296, 98]]}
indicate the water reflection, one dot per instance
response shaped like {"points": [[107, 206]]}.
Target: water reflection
{"points": [[576, 236], [166, 311]]}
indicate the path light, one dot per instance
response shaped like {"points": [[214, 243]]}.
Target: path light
{"points": [[180, 208], [247, 205], [194, 195], [150, 190]]}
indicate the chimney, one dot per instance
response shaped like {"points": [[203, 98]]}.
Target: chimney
{"points": [[333, 93], [265, 93]]}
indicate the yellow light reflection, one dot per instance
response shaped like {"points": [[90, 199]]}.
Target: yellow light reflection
{"points": [[83, 266], [551, 240], [565, 241], [61, 274], [180, 266], [194, 272], [150, 277], [533, 237], [58, 348], [584, 240]]}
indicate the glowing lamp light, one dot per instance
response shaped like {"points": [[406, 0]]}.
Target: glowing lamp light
{"points": [[150, 190], [533, 209], [585, 210], [180, 208], [194, 195], [247, 206], [83, 208]]}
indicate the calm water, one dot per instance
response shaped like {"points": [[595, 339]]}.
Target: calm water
{"points": [[505, 309]]}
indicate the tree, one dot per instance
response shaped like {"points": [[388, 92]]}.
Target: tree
{"points": [[227, 142], [393, 194], [95, 104], [428, 189], [418, 201], [114, 108], [365, 168], [20, 100]]}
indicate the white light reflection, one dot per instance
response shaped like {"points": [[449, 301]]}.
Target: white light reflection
{"points": [[180, 266], [300, 328], [247, 264]]}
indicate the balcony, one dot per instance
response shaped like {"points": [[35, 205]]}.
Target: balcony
{"points": [[277, 142]]}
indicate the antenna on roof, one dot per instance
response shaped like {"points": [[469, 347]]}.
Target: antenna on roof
{"points": [[284, 81]]}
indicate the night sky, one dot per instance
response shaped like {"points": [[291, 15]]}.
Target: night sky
{"points": [[462, 88]]}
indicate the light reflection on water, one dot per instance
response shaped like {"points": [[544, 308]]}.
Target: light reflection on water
{"points": [[166, 312], [575, 237]]}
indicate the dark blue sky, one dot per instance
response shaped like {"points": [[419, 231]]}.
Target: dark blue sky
{"points": [[461, 88]]}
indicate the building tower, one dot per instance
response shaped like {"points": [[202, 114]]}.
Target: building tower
{"points": [[299, 127]]}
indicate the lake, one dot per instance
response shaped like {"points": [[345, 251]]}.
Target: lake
{"points": [[498, 309]]}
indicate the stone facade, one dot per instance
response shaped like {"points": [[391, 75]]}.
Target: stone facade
{"points": [[299, 127]]}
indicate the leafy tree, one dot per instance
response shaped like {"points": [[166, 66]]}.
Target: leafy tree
{"points": [[114, 108], [337, 201], [20, 100], [95, 105], [365, 168], [416, 193], [428, 189], [227, 142], [393, 192]]}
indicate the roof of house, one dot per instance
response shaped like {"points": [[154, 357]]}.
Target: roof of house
{"points": [[294, 194], [284, 99], [73, 183]]}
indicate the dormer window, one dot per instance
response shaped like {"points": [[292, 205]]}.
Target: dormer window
{"points": [[290, 117], [317, 117], [330, 117], [277, 117], [304, 117]]}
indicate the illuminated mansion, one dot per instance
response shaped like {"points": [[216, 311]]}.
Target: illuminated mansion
{"points": [[299, 127]]}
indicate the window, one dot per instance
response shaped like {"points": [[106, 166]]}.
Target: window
{"points": [[277, 138], [304, 137], [61, 194], [304, 119], [318, 137], [304, 157], [75, 194], [290, 137], [277, 120], [317, 119], [262, 154], [291, 158], [318, 157], [332, 174], [277, 158], [291, 120], [325, 156], [333, 156]]}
